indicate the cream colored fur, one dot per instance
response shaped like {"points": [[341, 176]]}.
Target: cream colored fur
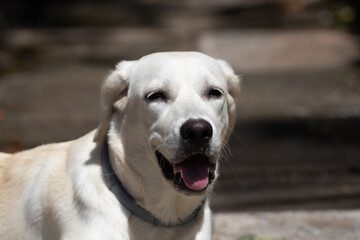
{"points": [[57, 191]]}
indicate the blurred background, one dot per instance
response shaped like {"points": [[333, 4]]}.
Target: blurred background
{"points": [[296, 144]]}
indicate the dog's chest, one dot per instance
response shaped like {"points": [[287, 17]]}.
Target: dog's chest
{"points": [[140, 231]]}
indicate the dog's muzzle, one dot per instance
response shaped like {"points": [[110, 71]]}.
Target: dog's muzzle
{"points": [[194, 171]]}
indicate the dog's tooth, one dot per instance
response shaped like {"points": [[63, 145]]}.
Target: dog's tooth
{"points": [[211, 176], [177, 178]]}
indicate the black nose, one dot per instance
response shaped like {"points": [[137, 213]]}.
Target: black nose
{"points": [[196, 131]]}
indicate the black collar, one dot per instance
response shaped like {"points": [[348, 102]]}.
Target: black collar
{"points": [[115, 186]]}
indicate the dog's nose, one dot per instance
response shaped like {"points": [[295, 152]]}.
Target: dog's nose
{"points": [[196, 131]]}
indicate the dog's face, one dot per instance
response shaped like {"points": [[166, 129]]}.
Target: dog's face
{"points": [[178, 107]]}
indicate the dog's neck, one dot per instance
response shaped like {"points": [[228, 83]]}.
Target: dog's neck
{"points": [[150, 190]]}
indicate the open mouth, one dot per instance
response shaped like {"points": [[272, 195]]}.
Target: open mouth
{"points": [[194, 174]]}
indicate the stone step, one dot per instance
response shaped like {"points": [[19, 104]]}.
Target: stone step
{"points": [[288, 225], [269, 50]]}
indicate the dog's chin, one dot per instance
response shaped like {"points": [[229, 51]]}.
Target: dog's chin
{"points": [[193, 175]]}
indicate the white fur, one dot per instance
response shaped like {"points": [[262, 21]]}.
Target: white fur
{"points": [[57, 191]]}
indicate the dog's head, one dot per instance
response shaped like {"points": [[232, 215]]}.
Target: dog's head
{"points": [[176, 109]]}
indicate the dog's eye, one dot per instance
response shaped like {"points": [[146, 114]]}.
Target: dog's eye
{"points": [[215, 93], [155, 96]]}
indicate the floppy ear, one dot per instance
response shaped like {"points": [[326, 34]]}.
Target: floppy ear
{"points": [[233, 80], [114, 89], [233, 83]]}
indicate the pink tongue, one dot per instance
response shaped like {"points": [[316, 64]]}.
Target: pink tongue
{"points": [[195, 174]]}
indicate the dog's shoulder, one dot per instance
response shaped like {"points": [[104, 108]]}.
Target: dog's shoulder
{"points": [[28, 159], [4, 155], [37, 155], [3, 159], [25, 178]]}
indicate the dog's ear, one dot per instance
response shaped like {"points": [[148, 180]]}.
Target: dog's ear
{"points": [[114, 89], [233, 80], [233, 83]]}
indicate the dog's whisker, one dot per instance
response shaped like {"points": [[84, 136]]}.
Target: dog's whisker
{"points": [[242, 142], [227, 149], [224, 155], [157, 148], [226, 160], [162, 144]]}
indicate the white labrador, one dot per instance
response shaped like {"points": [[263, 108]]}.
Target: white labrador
{"points": [[164, 121]]}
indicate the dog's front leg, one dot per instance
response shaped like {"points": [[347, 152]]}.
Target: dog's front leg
{"points": [[205, 231]]}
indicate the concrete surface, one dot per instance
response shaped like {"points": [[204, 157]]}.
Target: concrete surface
{"points": [[289, 225]]}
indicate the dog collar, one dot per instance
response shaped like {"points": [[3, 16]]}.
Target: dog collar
{"points": [[117, 188]]}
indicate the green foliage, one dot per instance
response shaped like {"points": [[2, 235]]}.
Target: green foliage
{"points": [[253, 236]]}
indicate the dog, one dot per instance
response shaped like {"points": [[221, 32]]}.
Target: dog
{"points": [[148, 169]]}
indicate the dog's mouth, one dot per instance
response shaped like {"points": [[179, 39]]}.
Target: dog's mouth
{"points": [[194, 174]]}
